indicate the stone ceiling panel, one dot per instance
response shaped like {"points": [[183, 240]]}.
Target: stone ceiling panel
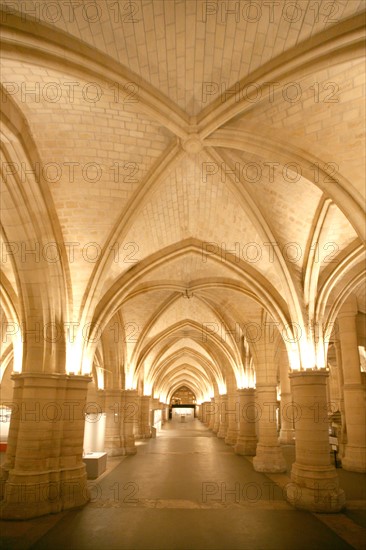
{"points": [[186, 205], [184, 308], [324, 114], [94, 155], [191, 50], [287, 200]]}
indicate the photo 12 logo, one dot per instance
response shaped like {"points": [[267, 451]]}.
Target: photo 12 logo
{"points": [[270, 11], [70, 92], [70, 12], [291, 92], [53, 252]]}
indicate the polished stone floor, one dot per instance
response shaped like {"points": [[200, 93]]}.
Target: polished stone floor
{"points": [[187, 490]]}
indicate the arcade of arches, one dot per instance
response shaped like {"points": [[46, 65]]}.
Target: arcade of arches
{"points": [[182, 215]]}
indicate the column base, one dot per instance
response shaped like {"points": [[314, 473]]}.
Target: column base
{"points": [[146, 433], [246, 446], [112, 446], [231, 437], [269, 459], [221, 434], [354, 459], [287, 437], [128, 445], [316, 490], [28, 495]]}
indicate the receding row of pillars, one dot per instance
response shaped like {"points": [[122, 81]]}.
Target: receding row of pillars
{"points": [[129, 417], [44, 470], [247, 420]]}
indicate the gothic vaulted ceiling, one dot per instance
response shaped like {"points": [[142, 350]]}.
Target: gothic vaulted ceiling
{"points": [[186, 173]]}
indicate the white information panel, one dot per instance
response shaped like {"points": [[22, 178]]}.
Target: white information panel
{"points": [[94, 433]]}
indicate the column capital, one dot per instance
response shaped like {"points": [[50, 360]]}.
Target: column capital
{"points": [[133, 393], [50, 379], [309, 376], [246, 391]]}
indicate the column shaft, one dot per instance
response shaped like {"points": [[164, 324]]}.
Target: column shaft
{"points": [[269, 457], [247, 438], [44, 471], [315, 480], [354, 392]]}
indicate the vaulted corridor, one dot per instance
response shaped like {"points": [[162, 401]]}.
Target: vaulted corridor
{"points": [[186, 489], [182, 228]]}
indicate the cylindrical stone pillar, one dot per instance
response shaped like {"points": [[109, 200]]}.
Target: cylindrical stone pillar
{"points": [[216, 425], [44, 472], [287, 431], [247, 439], [223, 417], [315, 484], [112, 407], [145, 416], [269, 457], [232, 418], [163, 412], [208, 412], [354, 391], [212, 407], [129, 413], [205, 413]]}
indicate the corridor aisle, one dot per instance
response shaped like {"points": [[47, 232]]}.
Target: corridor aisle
{"points": [[187, 490]]}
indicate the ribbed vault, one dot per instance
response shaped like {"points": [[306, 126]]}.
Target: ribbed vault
{"points": [[199, 182]]}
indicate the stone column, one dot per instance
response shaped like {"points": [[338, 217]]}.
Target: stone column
{"points": [[269, 457], [287, 431], [145, 416], [354, 392], [342, 436], [163, 412], [232, 418], [216, 425], [315, 484], [247, 438], [44, 471], [223, 417], [112, 407], [129, 413], [212, 407], [209, 412]]}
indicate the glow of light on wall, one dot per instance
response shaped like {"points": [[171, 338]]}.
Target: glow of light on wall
{"points": [[129, 381], [147, 388], [73, 358], [86, 366], [18, 355], [308, 357], [247, 380], [320, 357], [222, 388], [278, 392], [163, 397], [293, 357], [362, 354], [100, 378]]}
